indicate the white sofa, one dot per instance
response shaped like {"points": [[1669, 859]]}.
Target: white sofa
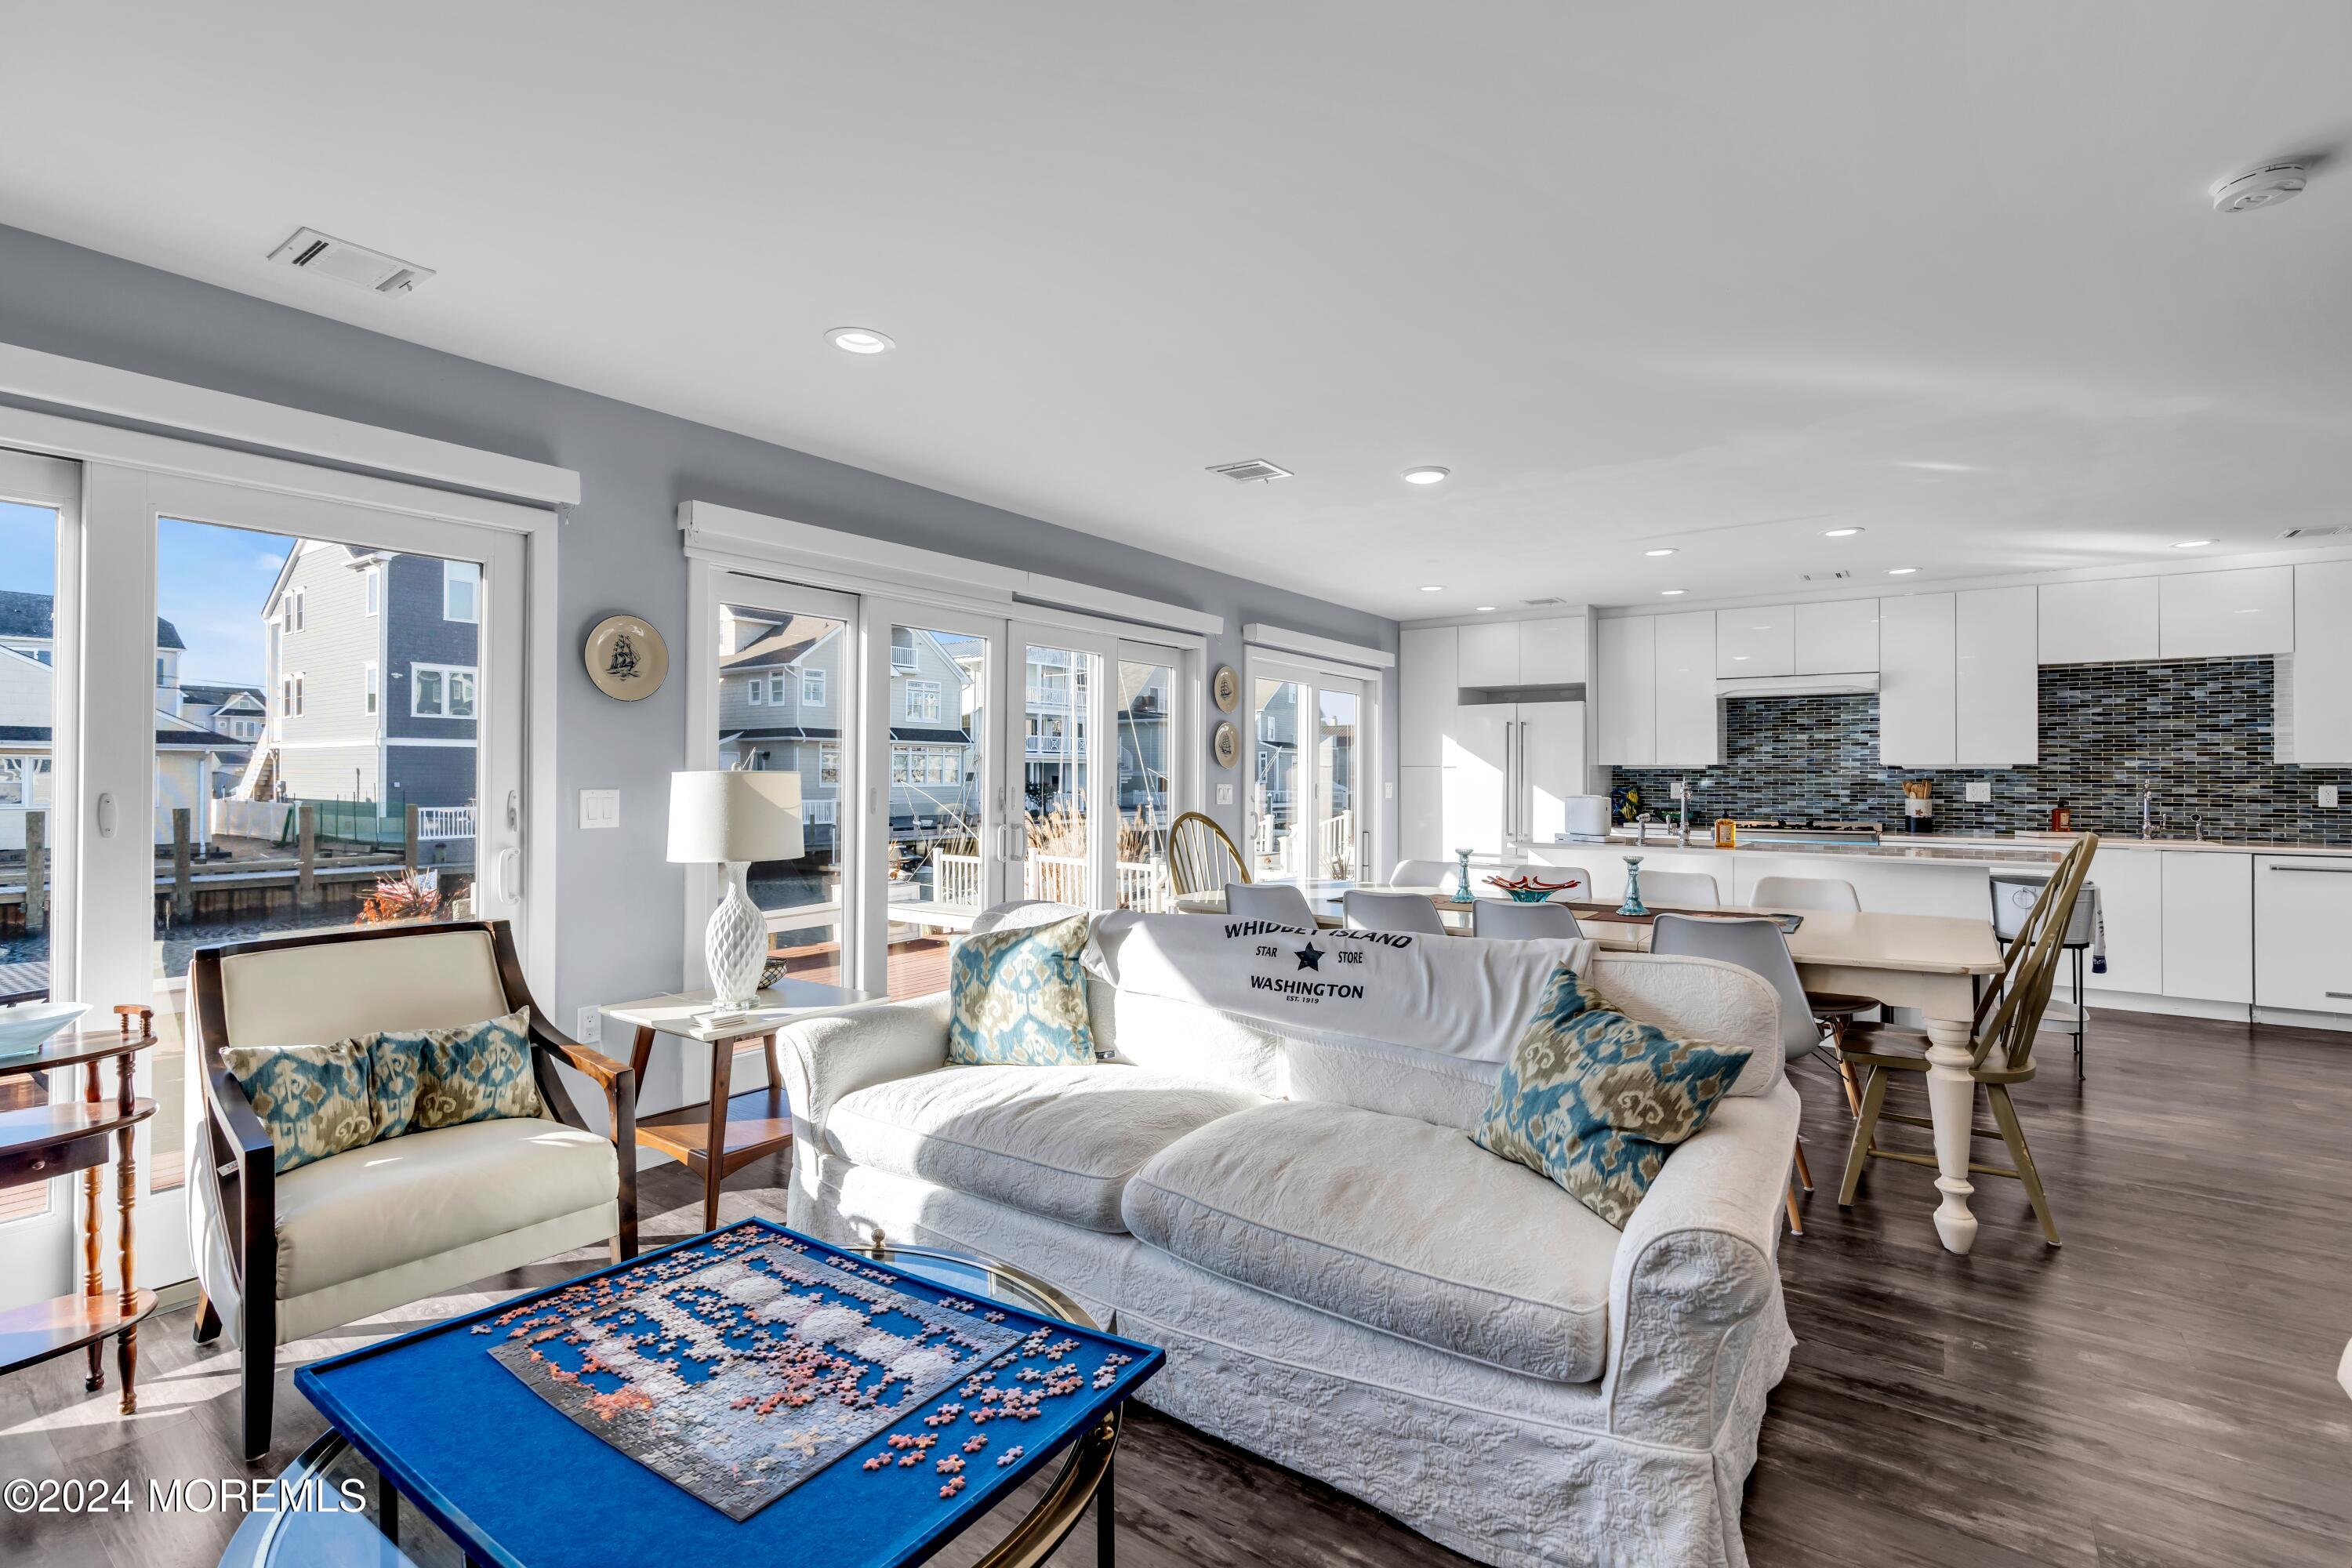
{"points": [[1344, 1282]]}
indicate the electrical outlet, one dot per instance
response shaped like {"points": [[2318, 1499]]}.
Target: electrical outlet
{"points": [[1674, 790], [590, 1029], [2327, 797], [1225, 795], [1981, 790], [600, 809]]}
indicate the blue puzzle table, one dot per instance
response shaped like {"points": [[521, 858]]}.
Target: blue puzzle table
{"points": [[747, 1395]]}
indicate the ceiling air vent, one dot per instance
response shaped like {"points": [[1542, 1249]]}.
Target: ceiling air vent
{"points": [[347, 263], [2338, 531], [1543, 604], [1826, 576], [1253, 472]]}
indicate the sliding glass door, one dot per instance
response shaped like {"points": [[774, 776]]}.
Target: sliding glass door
{"points": [[1309, 823]]}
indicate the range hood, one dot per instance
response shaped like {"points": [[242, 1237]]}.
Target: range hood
{"points": [[1860, 683]]}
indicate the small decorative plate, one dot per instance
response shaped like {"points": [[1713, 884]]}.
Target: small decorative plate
{"points": [[1225, 687], [626, 657], [1228, 744]]}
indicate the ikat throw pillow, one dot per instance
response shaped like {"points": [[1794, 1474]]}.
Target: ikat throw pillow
{"points": [[1596, 1101], [425, 1078], [313, 1099], [1019, 999]]}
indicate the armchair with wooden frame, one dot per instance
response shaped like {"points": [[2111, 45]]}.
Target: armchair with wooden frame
{"points": [[282, 1257]]}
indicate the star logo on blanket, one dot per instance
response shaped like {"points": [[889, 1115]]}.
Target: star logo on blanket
{"points": [[1311, 957]]}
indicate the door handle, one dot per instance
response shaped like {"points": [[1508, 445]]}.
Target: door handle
{"points": [[2342, 867], [510, 874], [105, 814]]}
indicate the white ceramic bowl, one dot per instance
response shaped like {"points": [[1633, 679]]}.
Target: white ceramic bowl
{"points": [[27, 1025]]}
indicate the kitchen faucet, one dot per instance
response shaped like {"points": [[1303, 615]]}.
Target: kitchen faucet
{"points": [[2147, 814], [1641, 830], [1682, 797]]}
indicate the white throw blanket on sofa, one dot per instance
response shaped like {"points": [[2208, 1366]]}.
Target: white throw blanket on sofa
{"points": [[1378, 991]]}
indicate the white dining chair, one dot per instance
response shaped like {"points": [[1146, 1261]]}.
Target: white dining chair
{"points": [[1369, 909], [1280, 902], [1582, 893], [1757, 945], [1681, 890], [1424, 874], [1509, 921], [1794, 894]]}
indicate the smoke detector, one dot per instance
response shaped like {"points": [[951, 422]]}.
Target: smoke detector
{"points": [[1251, 471], [347, 263], [2263, 185]]}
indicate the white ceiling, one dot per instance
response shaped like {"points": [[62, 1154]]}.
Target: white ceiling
{"points": [[1716, 277]]}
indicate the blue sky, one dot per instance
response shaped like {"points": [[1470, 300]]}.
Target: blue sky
{"points": [[209, 583]]}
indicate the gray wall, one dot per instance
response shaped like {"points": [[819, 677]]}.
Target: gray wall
{"points": [[620, 549]]}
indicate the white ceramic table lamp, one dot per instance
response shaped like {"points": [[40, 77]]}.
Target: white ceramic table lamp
{"points": [[733, 819]]}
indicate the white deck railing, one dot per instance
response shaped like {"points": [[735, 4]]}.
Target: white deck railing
{"points": [[1061, 879], [445, 822]]}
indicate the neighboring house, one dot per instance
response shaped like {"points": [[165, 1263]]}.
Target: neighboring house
{"points": [[373, 660], [239, 712], [189, 752], [780, 699]]}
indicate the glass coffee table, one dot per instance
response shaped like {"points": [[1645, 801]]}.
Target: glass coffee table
{"points": [[335, 1510]]}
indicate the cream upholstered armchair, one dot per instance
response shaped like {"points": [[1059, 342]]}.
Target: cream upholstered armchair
{"points": [[281, 1257]]}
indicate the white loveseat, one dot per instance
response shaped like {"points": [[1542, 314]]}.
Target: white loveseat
{"points": [[1344, 1282]]}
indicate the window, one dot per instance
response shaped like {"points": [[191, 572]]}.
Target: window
{"points": [[374, 687], [776, 688], [461, 591], [441, 690], [374, 575], [902, 649], [292, 612], [922, 699], [828, 765], [759, 690], [24, 781], [812, 689], [159, 669], [290, 697]]}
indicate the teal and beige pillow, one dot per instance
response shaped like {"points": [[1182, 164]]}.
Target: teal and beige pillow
{"points": [[426, 1078], [1597, 1100], [313, 1099], [1019, 997]]}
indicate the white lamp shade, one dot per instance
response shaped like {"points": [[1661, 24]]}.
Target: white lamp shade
{"points": [[719, 817]]}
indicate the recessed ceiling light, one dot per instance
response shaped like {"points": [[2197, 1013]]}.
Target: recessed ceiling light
{"points": [[1670, 593], [1901, 570], [1485, 609], [1669, 550], [1839, 533], [1432, 588], [1425, 476], [2192, 544], [860, 341], [1942, 468]]}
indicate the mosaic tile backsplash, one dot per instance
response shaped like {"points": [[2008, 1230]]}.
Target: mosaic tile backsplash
{"points": [[2197, 732]]}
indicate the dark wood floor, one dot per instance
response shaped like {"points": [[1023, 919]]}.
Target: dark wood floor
{"points": [[2159, 1394]]}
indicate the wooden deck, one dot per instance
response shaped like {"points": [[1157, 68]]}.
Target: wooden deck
{"points": [[918, 967]]}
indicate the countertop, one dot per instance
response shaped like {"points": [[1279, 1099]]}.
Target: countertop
{"points": [[1950, 848]]}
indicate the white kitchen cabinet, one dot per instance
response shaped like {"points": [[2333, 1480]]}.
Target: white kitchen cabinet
{"points": [[1420, 814], [2226, 614], [1551, 652], [2314, 693], [1489, 655], [1625, 690], [1917, 688], [1837, 636], [2303, 932], [1760, 641], [1477, 764], [1996, 681], [2099, 623], [1426, 693], [2209, 925], [2131, 903], [1551, 759], [1689, 725]]}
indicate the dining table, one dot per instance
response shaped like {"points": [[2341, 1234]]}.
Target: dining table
{"points": [[1935, 964]]}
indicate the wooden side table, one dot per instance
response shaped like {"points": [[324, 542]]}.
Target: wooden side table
{"points": [[38, 1142], [726, 1132]]}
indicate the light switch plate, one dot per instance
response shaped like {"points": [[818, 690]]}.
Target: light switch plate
{"points": [[1225, 795], [590, 1029], [1674, 790], [1387, 790], [1981, 790], [600, 809], [2327, 796]]}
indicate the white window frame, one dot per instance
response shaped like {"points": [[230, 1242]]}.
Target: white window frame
{"points": [[775, 688], [813, 688], [759, 690], [453, 572], [374, 575], [372, 694], [934, 690], [448, 674], [1311, 671]]}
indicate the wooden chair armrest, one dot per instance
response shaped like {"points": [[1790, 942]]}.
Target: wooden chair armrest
{"points": [[235, 1116], [609, 1074], [619, 1082]]}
